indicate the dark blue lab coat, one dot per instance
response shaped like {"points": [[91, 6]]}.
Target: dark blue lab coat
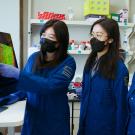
{"points": [[104, 104], [47, 110], [131, 100]]}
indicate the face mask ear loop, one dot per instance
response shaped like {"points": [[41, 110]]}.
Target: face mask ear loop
{"points": [[110, 40]]}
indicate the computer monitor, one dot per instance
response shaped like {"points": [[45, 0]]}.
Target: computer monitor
{"points": [[7, 53], [7, 56]]}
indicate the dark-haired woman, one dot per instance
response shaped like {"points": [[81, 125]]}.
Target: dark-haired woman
{"points": [[105, 83], [45, 78]]}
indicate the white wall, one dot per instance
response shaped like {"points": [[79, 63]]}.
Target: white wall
{"points": [[10, 22]]}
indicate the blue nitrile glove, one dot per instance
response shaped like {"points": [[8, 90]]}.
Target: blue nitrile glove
{"points": [[9, 71]]}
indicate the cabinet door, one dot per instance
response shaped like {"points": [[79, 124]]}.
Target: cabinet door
{"points": [[76, 115]]}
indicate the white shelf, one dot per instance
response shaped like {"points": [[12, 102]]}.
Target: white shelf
{"points": [[83, 23], [127, 25], [40, 22], [79, 51]]}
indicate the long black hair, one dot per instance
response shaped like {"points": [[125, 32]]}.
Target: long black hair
{"points": [[62, 36], [108, 62]]}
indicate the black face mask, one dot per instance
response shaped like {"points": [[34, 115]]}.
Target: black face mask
{"points": [[97, 45], [48, 45]]}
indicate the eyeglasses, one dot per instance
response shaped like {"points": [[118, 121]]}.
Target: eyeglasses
{"points": [[98, 35]]}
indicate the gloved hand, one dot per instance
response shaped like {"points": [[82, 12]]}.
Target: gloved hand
{"points": [[9, 71]]}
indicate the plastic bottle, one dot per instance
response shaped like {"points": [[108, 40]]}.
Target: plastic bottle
{"points": [[70, 13]]}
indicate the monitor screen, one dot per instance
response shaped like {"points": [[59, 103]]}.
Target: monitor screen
{"points": [[7, 53]]}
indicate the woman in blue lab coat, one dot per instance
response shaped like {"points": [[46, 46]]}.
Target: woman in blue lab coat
{"points": [[131, 101], [105, 83], [45, 79]]}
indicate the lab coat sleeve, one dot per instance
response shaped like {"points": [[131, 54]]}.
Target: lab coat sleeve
{"points": [[60, 80], [121, 90], [21, 95], [28, 68]]}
